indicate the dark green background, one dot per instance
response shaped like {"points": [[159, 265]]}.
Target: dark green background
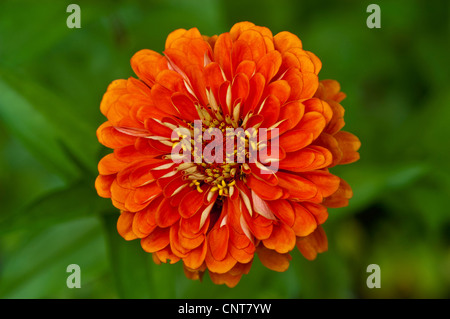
{"points": [[52, 80]]}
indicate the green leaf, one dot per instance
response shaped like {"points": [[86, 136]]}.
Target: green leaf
{"points": [[370, 181], [49, 126], [34, 130], [58, 206], [29, 29], [37, 268], [130, 263]]}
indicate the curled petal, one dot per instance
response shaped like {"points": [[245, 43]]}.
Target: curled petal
{"points": [[314, 243], [125, 225], [103, 185], [157, 240], [340, 197], [349, 145], [304, 221], [286, 40], [196, 257], [273, 260], [282, 239], [147, 64], [219, 266]]}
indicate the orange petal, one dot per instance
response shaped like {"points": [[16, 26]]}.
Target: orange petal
{"points": [[327, 183], [272, 259], [295, 80], [239, 87], [190, 227], [157, 129], [241, 268], [173, 185], [219, 266], [191, 203], [119, 195], [312, 122], [316, 61], [185, 105], [283, 210], [160, 168], [226, 278], [320, 106], [241, 52], [280, 89], [319, 211], [349, 144], [214, 77], [165, 255], [284, 41], [310, 85], [103, 185], [264, 190], [224, 97], [145, 193], [145, 147], [193, 49], [337, 121], [330, 90], [295, 140], [157, 240], [259, 226], [109, 164], [222, 53], [297, 186], [172, 80], [238, 28], [247, 67], [161, 99], [304, 223], [191, 243], [143, 223], [256, 43], [282, 238], [109, 136], [329, 142], [269, 64], [196, 274], [124, 225], [290, 113], [310, 158], [340, 197], [147, 64], [232, 277], [197, 82], [114, 91], [196, 257], [141, 175], [314, 243], [242, 255], [175, 244], [296, 57], [166, 215], [218, 242], [192, 33], [270, 110], [257, 83]]}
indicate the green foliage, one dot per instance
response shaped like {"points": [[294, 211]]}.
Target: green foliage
{"points": [[52, 79]]}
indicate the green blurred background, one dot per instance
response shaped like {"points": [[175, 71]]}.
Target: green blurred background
{"points": [[52, 79]]}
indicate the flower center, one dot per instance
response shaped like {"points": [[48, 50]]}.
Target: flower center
{"points": [[216, 152]]}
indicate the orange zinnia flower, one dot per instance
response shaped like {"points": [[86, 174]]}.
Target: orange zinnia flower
{"points": [[216, 215]]}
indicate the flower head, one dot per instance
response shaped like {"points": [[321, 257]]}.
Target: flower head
{"points": [[222, 149]]}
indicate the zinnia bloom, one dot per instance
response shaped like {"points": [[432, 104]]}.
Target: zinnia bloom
{"points": [[214, 215]]}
